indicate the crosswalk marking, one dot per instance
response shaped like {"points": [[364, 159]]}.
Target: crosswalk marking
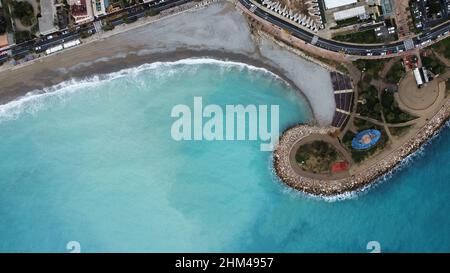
{"points": [[409, 44], [98, 26]]}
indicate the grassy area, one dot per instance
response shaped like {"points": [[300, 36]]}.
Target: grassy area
{"points": [[362, 37], [317, 157], [443, 47], [361, 155], [348, 21], [396, 73], [399, 131], [370, 67], [371, 107], [433, 64], [22, 36], [392, 113]]}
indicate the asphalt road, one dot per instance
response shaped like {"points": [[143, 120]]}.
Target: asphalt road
{"points": [[135, 12], [43, 43], [359, 50]]}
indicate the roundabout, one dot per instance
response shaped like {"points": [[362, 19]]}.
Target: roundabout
{"points": [[414, 98]]}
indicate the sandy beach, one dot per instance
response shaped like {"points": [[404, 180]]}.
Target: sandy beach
{"points": [[217, 31]]}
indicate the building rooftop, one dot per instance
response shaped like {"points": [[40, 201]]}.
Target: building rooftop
{"points": [[3, 40], [81, 11], [98, 7], [47, 19], [349, 13], [78, 7], [331, 4]]}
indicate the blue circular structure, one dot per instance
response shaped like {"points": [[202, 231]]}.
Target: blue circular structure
{"points": [[366, 139]]}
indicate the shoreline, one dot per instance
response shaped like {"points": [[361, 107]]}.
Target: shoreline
{"points": [[113, 65], [366, 177], [97, 58], [107, 67], [154, 42]]}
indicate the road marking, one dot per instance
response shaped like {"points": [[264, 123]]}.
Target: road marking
{"points": [[409, 44], [98, 26]]}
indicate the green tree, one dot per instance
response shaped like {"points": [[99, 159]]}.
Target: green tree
{"points": [[24, 12], [377, 107], [22, 36]]}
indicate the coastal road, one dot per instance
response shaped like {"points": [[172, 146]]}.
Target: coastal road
{"points": [[349, 49], [135, 12], [43, 43]]}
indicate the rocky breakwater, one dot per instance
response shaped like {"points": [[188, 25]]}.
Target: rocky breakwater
{"points": [[283, 162]]}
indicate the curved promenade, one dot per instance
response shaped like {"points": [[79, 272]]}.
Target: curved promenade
{"points": [[284, 164]]}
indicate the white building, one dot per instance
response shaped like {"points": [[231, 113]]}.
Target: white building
{"points": [[349, 13], [331, 4]]}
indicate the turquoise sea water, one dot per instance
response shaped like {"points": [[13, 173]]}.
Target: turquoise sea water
{"points": [[94, 162]]}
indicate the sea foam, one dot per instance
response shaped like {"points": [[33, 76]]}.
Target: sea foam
{"points": [[33, 101], [407, 162]]}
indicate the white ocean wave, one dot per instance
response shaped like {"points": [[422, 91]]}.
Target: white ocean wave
{"points": [[33, 101]]}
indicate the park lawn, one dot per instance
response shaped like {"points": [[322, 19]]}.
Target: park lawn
{"points": [[443, 47], [433, 64], [362, 37], [317, 157], [396, 73]]}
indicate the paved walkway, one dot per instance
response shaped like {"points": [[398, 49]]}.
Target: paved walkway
{"points": [[416, 99], [383, 123]]}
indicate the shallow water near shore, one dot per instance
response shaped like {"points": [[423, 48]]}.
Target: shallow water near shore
{"points": [[94, 162]]}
